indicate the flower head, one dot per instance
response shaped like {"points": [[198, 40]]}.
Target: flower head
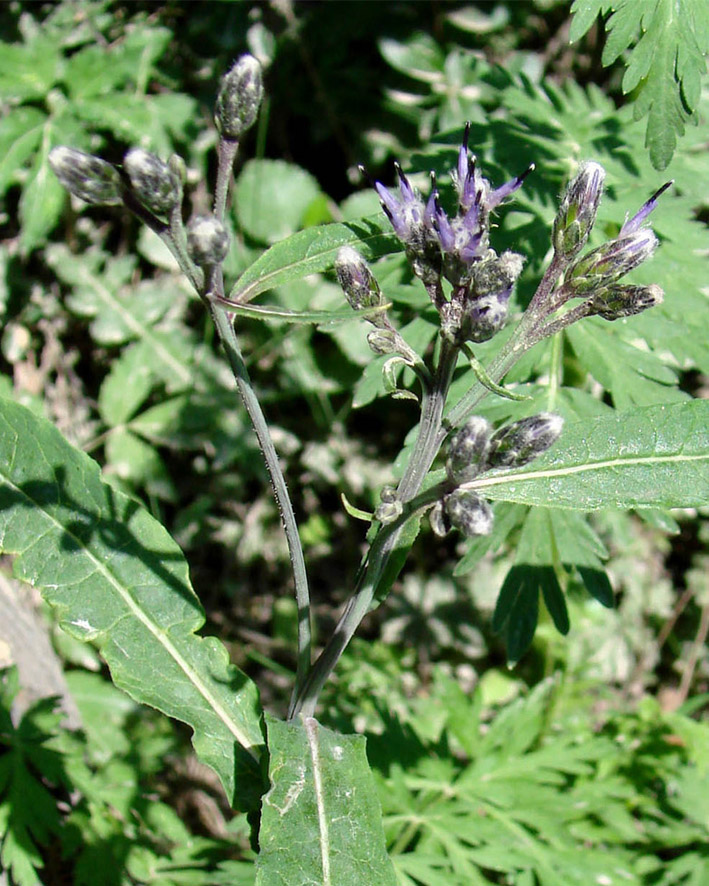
{"points": [[154, 183], [207, 240], [239, 98], [578, 209], [87, 177]]}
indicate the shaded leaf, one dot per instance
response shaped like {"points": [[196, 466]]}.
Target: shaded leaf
{"points": [[117, 578]]}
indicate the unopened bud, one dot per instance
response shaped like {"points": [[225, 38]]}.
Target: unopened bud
{"points": [[390, 507], [207, 240], [607, 264], [498, 274], [577, 212], [383, 342], [468, 450], [440, 524], [239, 99], [357, 281], [488, 314], [468, 513], [87, 177], [522, 441], [625, 300], [154, 182]]}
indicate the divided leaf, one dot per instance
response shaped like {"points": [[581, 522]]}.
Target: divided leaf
{"points": [[117, 579]]}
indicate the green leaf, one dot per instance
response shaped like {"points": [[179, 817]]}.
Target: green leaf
{"points": [[323, 318], [665, 66], [127, 385], [117, 578], [321, 819], [647, 457], [271, 198], [20, 134], [42, 197], [632, 376], [313, 251], [28, 71]]}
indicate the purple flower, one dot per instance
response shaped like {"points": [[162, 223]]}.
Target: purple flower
{"points": [[634, 224]]}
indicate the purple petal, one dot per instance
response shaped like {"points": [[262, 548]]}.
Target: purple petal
{"points": [[636, 221], [499, 194]]}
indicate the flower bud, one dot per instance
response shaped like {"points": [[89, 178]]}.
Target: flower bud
{"points": [[577, 212], [239, 99], [87, 177], [607, 264], [390, 507], [383, 342], [357, 281], [522, 441], [207, 240], [440, 524], [154, 182], [468, 513], [488, 315], [624, 300], [497, 274], [468, 450]]}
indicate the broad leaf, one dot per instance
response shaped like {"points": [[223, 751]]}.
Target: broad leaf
{"points": [[312, 251], [655, 457], [117, 578], [321, 820]]}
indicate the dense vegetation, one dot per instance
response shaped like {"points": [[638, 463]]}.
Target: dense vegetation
{"points": [[588, 762]]}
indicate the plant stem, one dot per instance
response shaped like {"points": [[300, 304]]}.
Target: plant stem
{"points": [[384, 543], [224, 326], [226, 154]]}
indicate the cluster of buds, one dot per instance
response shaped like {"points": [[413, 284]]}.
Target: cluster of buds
{"points": [[457, 248], [595, 276], [475, 449], [154, 189]]}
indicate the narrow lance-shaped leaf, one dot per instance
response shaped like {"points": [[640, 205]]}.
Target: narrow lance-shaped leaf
{"points": [[117, 579], [655, 457], [321, 820], [284, 315], [312, 251]]}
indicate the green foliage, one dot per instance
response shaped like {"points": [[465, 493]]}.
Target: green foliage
{"points": [[118, 579], [550, 788], [321, 817], [58, 82], [540, 796], [665, 67], [95, 798]]}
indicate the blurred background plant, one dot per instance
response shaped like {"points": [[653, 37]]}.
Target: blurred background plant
{"points": [[590, 757]]}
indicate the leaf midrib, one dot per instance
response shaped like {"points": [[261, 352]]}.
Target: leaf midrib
{"points": [[154, 629]]}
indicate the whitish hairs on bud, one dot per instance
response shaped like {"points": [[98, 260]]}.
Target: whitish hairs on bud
{"points": [[468, 450], [239, 99], [521, 442], [578, 209], [468, 513], [621, 301], [357, 281], [89, 178], [154, 183], [207, 240]]}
